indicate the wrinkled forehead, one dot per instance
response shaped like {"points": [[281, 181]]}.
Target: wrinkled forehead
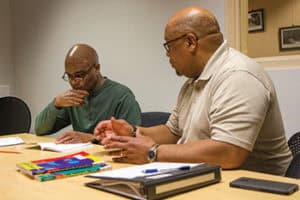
{"points": [[167, 32], [170, 31], [73, 65], [174, 28], [78, 62]]}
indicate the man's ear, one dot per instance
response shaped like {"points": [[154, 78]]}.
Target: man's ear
{"points": [[97, 67], [191, 41]]}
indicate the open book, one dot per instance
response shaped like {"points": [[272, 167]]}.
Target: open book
{"points": [[51, 146]]}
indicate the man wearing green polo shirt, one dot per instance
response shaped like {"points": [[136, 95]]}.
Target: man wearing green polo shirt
{"points": [[93, 98]]}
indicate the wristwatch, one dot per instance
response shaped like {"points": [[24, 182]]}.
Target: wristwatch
{"points": [[95, 141], [152, 153]]}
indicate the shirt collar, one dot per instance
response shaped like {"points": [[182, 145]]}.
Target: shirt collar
{"points": [[213, 63], [104, 85]]}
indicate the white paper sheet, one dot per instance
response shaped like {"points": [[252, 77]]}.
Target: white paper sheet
{"points": [[10, 141], [51, 146], [137, 171]]}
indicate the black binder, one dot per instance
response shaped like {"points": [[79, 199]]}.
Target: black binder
{"points": [[160, 185]]}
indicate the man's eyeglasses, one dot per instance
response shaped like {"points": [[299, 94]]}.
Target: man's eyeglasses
{"points": [[79, 76], [167, 43]]}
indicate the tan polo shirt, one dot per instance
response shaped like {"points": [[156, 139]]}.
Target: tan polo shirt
{"points": [[234, 101]]}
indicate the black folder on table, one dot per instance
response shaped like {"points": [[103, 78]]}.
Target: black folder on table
{"points": [[161, 184]]}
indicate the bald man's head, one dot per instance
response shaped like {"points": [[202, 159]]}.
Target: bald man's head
{"points": [[192, 36], [192, 19], [82, 68], [81, 54]]}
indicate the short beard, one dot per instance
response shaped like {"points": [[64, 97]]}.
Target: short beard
{"points": [[93, 88]]}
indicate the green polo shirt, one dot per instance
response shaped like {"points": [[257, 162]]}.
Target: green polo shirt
{"points": [[111, 100]]}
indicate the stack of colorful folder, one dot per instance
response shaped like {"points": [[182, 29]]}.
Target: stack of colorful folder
{"points": [[64, 166]]}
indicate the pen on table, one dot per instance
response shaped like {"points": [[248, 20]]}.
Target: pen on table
{"points": [[8, 151], [154, 170]]}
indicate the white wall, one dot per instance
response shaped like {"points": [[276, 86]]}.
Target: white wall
{"points": [[6, 59], [128, 35], [285, 73]]}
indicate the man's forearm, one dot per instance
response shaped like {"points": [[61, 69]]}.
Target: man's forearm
{"points": [[209, 151], [46, 120], [160, 134]]}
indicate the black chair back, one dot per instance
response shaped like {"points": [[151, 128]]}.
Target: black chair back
{"points": [[294, 169], [294, 143], [15, 116], [154, 118]]}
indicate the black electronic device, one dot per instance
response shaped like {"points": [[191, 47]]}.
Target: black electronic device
{"points": [[264, 185]]}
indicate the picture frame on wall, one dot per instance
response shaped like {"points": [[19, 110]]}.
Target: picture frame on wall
{"points": [[256, 20], [289, 38]]}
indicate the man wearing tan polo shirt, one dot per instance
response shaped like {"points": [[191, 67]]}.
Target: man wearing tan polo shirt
{"points": [[227, 112]]}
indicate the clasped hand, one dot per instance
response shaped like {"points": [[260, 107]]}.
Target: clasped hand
{"points": [[70, 98], [116, 134]]}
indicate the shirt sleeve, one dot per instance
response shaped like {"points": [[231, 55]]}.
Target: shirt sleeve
{"points": [[238, 109], [51, 120], [128, 109], [173, 121]]}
